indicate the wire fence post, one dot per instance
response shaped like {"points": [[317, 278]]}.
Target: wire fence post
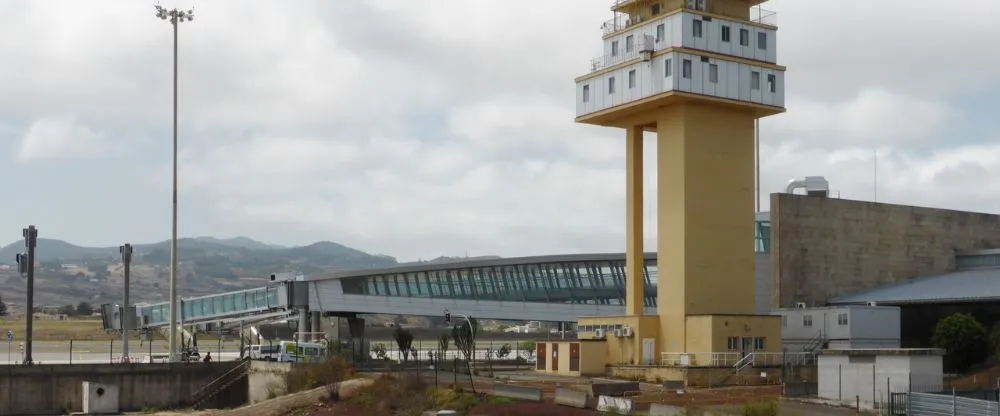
{"points": [[71, 352]]}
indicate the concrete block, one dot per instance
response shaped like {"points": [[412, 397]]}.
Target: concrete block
{"points": [[530, 394], [657, 409], [617, 404], [572, 398], [100, 399]]}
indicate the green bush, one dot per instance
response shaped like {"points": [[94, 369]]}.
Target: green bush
{"points": [[309, 376], [769, 408], [963, 338]]}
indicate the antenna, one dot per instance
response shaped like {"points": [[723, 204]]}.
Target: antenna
{"points": [[875, 172]]}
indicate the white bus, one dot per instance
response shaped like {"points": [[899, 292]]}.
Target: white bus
{"points": [[263, 352], [301, 352]]}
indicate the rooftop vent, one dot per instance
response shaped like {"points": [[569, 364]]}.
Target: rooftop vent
{"points": [[814, 186]]}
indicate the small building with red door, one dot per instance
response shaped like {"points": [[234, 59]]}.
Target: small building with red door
{"points": [[578, 357]]}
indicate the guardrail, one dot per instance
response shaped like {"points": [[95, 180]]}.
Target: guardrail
{"points": [[735, 359]]}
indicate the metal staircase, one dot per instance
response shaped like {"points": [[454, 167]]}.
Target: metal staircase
{"points": [[747, 361], [220, 384]]}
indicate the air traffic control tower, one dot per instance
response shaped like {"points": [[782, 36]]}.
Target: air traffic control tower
{"points": [[698, 73]]}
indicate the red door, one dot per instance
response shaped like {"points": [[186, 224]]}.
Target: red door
{"points": [[540, 356], [574, 356], [555, 357]]}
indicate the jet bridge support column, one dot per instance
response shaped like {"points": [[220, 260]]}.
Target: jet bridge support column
{"points": [[316, 321], [303, 328]]}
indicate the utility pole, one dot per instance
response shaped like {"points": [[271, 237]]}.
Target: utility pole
{"points": [[26, 263], [127, 318], [175, 17]]}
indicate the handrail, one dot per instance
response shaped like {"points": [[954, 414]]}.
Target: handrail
{"points": [[742, 363], [624, 21], [242, 366]]}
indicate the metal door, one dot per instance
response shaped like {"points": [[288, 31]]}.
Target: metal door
{"points": [[648, 350]]}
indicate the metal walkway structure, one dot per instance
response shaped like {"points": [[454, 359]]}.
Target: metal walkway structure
{"points": [[558, 288]]}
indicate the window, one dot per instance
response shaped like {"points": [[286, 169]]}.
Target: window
{"points": [[631, 79], [686, 68], [755, 80], [772, 80], [734, 343], [667, 67], [661, 32], [762, 41], [629, 43], [713, 73], [841, 319], [586, 93], [611, 85], [614, 48], [655, 9], [696, 4], [807, 320], [725, 33], [758, 343], [744, 37], [696, 28]]}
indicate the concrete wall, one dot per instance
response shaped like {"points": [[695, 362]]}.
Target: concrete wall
{"points": [[827, 247], [57, 389]]}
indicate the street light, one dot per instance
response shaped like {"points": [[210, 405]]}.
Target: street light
{"points": [[175, 17]]}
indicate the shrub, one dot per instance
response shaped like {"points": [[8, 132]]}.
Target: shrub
{"points": [[309, 376], [769, 408], [964, 339]]}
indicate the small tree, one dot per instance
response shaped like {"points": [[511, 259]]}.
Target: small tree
{"points": [[963, 338], [379, 350], [529, 348], [3, 308], [464, 337], [503, 351], [404, 340], [84, 309], [443, 342]]}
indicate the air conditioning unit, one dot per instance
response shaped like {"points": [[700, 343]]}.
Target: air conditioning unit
{"points": [[872, 303], [618, 333], [627, 331], [646, 44], [800, 305], [599, 333]]}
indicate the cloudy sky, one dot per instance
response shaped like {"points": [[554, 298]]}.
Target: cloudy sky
{"points": [[433, 127]]}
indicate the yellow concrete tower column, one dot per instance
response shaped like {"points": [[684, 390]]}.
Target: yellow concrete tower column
{"points": [[705, 215], [634, 254]]}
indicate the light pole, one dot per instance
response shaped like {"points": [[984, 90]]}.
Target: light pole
{"points": [[175, 17], [127, 313]]}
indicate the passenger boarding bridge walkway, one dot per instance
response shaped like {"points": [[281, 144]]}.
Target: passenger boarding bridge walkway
{"points": [[558, 288]]}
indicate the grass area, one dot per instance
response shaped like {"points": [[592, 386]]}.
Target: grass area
{"points": [[65, 330], [77, 329]]}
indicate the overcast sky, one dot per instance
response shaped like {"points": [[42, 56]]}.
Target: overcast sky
{"points": [[426, 128]]}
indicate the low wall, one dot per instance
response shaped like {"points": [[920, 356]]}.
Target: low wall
{"points": [[57, 389]]}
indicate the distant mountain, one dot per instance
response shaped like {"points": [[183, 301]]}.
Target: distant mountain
{"points": [[449, 259], [239, 242], [231, 253]]}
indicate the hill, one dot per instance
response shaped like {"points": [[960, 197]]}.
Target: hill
{"points": [[68, 274]]}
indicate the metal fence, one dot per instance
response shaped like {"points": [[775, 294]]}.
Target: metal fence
{"points": [[935, 404]]}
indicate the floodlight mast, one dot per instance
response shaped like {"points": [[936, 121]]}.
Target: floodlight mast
{"points": [[175, 17]]}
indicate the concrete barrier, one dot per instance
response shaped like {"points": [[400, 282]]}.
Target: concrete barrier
{"points": [[572, 398], [530, 394], [613, 389], [55, 389], [616, 404], [657, 409]]}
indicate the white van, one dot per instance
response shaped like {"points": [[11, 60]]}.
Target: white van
{"points": [[301, 352], [263, 352]]}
